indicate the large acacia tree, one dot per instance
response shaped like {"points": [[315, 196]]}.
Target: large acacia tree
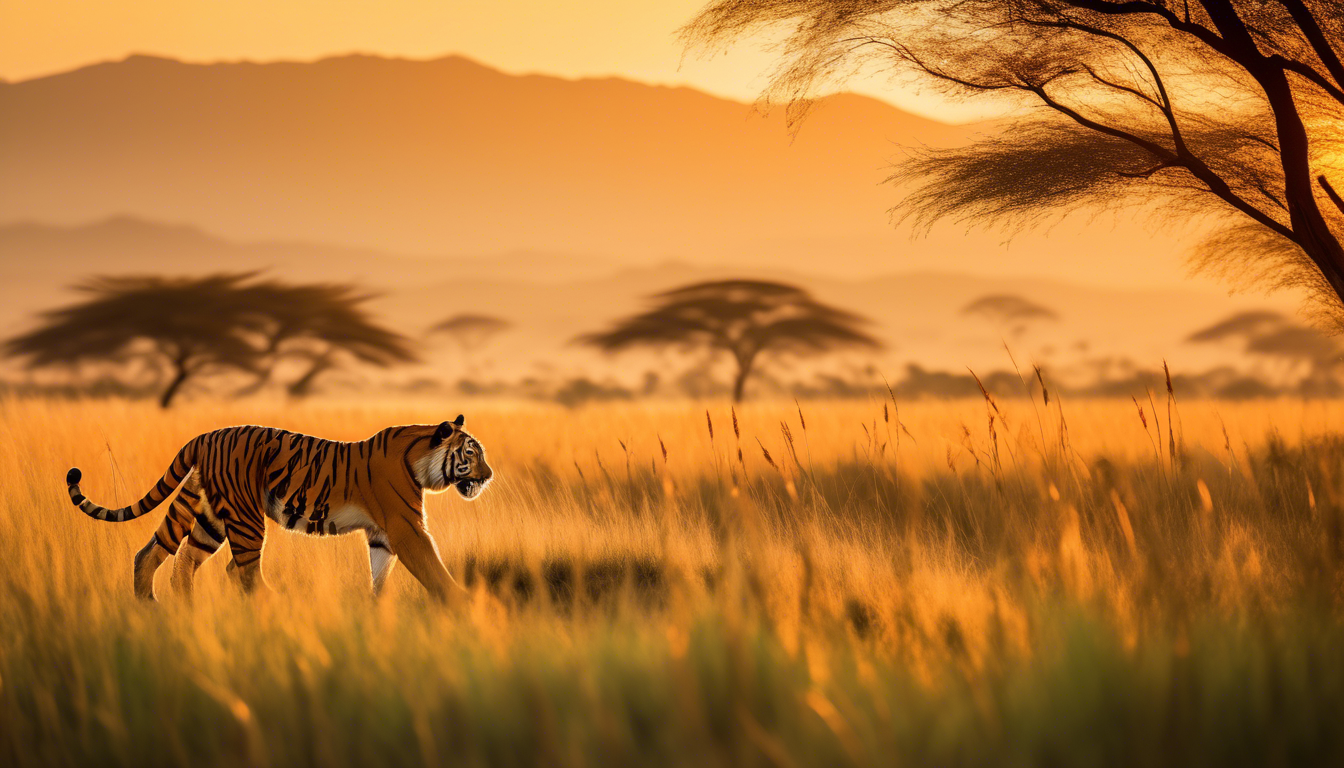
{"points": [[745, 318], [190, 326], [1184, 107], [197, 326]]}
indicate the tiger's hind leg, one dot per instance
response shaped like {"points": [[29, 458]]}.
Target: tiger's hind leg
{"points": [[246, 539], [207, 537], [167, 537], [193, 553]]}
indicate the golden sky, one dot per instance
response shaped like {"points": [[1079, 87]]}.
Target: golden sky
{"points": [[628, 38]]}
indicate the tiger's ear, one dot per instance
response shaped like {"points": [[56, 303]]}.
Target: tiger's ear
{"points": [[444, 431], [458, 421]]}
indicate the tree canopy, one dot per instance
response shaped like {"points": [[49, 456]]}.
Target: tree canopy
{"points": [[198, 326], [1010, 311], [1221, 111], [745, 318], [1273, 336], [471, 331], [318, 325]]}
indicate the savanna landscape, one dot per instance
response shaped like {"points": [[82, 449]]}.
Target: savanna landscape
{"points": [[898, 383]]}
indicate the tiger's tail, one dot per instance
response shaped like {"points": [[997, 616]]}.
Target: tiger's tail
{"points": [[177, 472]]}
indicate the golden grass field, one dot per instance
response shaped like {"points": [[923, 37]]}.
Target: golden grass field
{"points": [[1060, 586]]}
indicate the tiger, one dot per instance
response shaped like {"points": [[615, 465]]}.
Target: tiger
{"points": [[229, 481]]}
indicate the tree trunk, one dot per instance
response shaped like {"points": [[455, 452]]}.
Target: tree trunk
{"points": [[176, 384], [262, 380], [304, 386], [744, 364], [1310, 230], [1308, 223]]}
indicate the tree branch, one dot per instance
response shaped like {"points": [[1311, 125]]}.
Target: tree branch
{"points": [[1157, 150], [1311, 75], [1165, 105], [1330, 192], [1316, 37], [1141, 7]]}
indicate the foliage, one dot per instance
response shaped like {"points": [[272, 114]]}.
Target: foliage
{"points": [[1220, 109]]}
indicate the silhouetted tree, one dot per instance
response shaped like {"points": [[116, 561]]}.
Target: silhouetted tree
{"points": [[319, 325], [1274, 336], [471, 332], [191, 326], [745, 318], [1225, 107], [1008, 311]]}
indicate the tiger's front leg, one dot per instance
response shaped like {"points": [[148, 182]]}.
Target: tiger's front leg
{"points": [[411, 542], [381, 561]]}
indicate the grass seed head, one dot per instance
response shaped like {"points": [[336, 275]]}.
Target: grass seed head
{"points": [[1142, 419], [766, 454]]}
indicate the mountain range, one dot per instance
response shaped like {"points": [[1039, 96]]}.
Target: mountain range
{"points": [[448, 156]]}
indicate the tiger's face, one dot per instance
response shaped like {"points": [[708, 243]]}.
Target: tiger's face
{"points": [[455, 459]]}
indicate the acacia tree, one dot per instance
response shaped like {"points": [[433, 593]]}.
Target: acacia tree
{"points": [[1222, 107], [745, 318], [1275, 337], [318, 325], [191, 326], [1009, 311], [471, 332]]}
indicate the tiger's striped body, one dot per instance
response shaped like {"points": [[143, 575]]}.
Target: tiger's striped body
{"points": [[230, 480]]}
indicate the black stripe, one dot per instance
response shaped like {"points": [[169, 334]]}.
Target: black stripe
{"points": [[194, 542], [209, 528]]}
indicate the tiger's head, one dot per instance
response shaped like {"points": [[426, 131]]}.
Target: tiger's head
{"points": [[456, 459]]}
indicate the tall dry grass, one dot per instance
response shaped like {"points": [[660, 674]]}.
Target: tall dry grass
{"points": [[1110, 582]]}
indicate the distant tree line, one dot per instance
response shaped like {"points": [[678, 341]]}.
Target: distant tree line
{"points": [[270, 333]]}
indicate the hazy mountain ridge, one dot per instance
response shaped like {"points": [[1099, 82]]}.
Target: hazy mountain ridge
{"points": [[445, 156]]}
